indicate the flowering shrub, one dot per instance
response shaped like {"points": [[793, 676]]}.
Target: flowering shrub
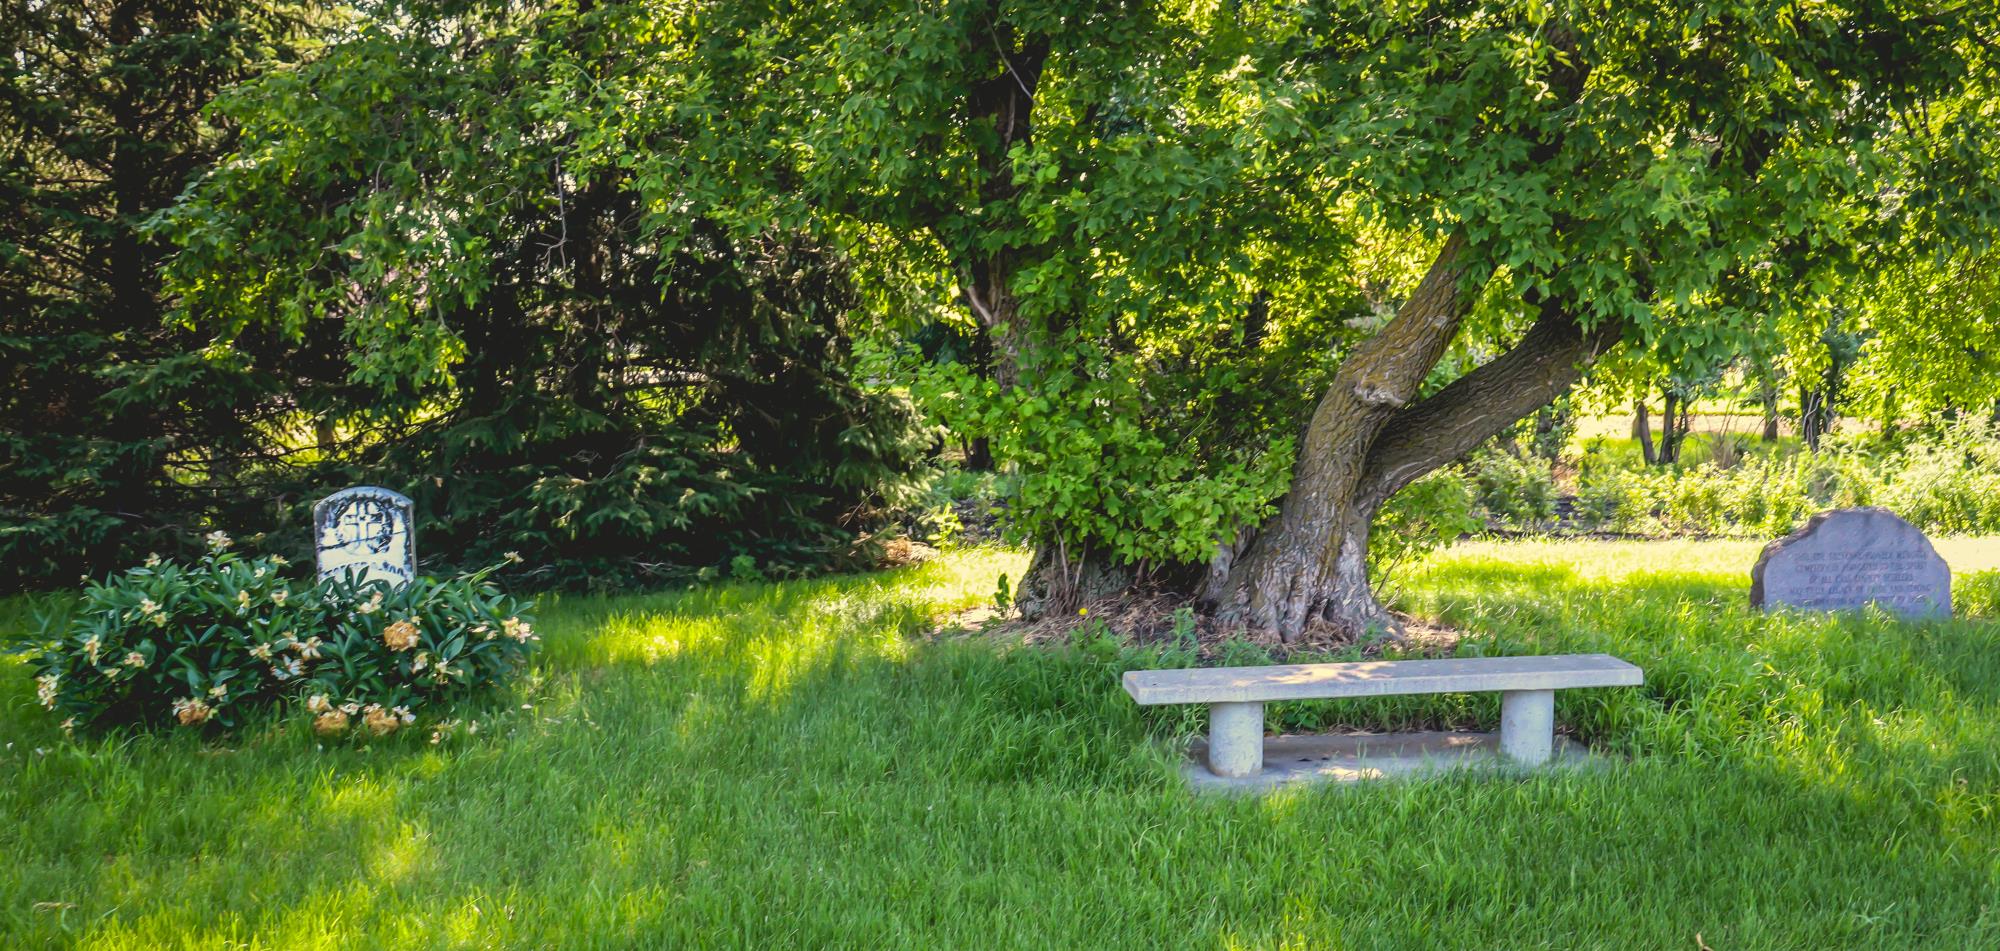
{"points": [[203, 644]]}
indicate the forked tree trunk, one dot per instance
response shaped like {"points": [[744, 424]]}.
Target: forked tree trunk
{"points": [[1306, 560], [1367, 440]]}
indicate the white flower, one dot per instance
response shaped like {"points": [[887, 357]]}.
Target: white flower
{"points": [[279, 560], [159, 620], [368, 608], [153, 560], [278, 597], [135, 659], [90, 646], [404, 714], [518, 629], [289, 669], [218, 540], [259, 573], [308, 649], [218, 691], [261, 652], [350, 708], [148, 607], [515, 557], [242, 601], [69, 725], [45, 689], [319, 703], [422, 660]]}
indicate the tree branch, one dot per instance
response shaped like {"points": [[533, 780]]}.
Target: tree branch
{"points": [[1478, 405]]}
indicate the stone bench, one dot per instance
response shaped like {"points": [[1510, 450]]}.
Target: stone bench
{"points": [[1236, 695]]}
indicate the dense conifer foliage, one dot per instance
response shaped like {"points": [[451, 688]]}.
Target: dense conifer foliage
{"points": [[114, 425]]}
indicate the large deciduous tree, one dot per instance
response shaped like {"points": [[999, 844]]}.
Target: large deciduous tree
{"points": [[502, 319], [1128, 194]]}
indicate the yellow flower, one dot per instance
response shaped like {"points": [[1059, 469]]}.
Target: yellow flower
{"points": [[135, 659], [218, 691], [330, 723], [148, 607], [278, 597], [159, 620], [380, 721], [400, 636], [515, 557], [153, 560], [192, 711], [279, 561], [90, 646]]}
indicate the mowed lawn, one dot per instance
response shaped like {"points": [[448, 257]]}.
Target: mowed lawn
{"points": [[793, 765]]}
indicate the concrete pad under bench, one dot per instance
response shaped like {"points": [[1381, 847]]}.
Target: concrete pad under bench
{"points": [[1300, 759], [1236, 696]]}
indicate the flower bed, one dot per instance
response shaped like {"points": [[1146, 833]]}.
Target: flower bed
{"points": [[204, 645]]}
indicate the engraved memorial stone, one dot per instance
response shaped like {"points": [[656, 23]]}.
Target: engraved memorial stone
{"points": [[1847, 558], [366, 530]]}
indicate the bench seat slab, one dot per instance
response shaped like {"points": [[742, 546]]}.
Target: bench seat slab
{"points": [[1379, 678]]}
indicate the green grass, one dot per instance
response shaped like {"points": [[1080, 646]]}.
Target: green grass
{"points": [[787, 766]]}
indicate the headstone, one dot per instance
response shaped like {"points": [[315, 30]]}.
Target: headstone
{"points": [[1847, 558], [366, 530]]}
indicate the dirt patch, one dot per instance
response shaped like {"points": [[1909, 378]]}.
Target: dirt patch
{"points": [[1152, 620]]}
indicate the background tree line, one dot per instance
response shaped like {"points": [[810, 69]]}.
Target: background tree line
{"points": [[650, 289]]}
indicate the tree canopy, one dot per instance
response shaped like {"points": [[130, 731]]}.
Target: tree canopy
{"points": [[1228, 276]]}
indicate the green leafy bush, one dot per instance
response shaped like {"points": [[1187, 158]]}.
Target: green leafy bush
{"points": [[1428, 514], [1514, 489], [205, 644]]}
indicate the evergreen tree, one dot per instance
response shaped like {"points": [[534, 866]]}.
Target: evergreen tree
{"points": [[109, 416]]}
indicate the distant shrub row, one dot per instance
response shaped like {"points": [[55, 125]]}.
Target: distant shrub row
{"points": [[1945, 481]]}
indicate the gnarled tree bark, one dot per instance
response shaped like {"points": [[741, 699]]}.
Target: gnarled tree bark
{"points": [[1309, 564], [1292, 570]]}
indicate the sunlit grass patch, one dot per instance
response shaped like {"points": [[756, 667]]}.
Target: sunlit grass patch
{"points": [[793, 764]]}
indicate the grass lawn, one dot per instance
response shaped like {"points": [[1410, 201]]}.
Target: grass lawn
{"points": [[788, 765]]}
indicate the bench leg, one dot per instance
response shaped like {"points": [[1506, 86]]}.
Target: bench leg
{"points": [[1236, 739], [1528, 725]]}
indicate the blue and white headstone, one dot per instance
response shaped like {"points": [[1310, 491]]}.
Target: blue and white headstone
{"points": [[366, 530]]}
